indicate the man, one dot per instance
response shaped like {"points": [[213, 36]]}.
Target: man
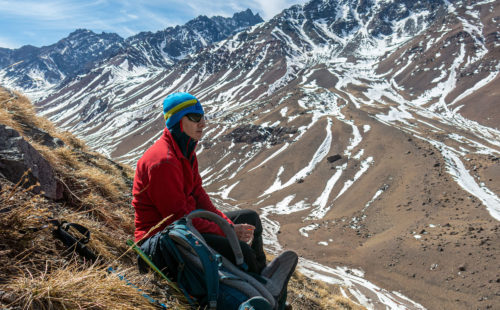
{"points": [[167, 182]]}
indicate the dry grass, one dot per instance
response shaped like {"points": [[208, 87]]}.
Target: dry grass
{"points": [[35, 272], [305, 293], [18, 217], [17, 112], [75, 287]]}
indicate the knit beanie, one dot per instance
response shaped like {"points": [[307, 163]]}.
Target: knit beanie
{"points": [[176, 105]]}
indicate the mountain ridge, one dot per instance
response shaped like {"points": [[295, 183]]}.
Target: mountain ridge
{"points": [[49, 67]]}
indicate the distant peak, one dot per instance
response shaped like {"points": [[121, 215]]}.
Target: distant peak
{"points": [[81, 31], [201, 17], [85, 33], [246, 12], [248, 15]]}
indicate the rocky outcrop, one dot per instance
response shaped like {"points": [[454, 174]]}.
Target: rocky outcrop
{"points": [[333, 158], [249, 134], [42, 137], [18, 156]]}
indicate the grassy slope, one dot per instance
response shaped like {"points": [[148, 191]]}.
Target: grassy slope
{"points": [[35, 273]]}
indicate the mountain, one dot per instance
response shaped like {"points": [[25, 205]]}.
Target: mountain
{"points": [[364, 132], [37, 71], [42, 68], [175, 43]]}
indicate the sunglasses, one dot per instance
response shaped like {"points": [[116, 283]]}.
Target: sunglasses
{"points": [[194, 117]]}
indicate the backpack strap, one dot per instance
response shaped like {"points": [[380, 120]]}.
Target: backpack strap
{"points": [[226, 228]]}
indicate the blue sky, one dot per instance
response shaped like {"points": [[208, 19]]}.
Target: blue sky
{"points": [[44, 22]]}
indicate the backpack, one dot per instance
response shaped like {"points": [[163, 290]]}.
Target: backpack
{"points": [[210, 280]]}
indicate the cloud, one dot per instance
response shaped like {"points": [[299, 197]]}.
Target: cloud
{"points": [[55, 10], [128, 31], [271, 8]]}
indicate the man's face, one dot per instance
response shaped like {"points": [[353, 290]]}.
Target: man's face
{"points": [[192, 128]]}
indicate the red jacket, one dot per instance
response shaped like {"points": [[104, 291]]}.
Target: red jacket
{"points": [[165, 184]]}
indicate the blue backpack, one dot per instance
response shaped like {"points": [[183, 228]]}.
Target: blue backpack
{"points": [[210, 280]]}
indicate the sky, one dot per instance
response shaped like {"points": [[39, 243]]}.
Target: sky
{"points": [[45, 22]]}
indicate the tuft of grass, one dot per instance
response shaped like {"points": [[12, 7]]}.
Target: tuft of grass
{"points": [[306, 293], [16, 111], [75, 287], [20, 215], [100, 182], [62, 158]]}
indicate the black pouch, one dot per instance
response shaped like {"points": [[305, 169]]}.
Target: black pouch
{"points": [[72, 242]]}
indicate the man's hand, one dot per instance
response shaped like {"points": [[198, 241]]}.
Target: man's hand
{"points": [[244, 232]]}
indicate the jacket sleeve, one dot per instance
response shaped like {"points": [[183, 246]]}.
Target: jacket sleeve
{"points": [[202, 199], [166, 190]]}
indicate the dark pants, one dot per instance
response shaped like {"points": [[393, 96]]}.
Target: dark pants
{"points": [[254, 255]]}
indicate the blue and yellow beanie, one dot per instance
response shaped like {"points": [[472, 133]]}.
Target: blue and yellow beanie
{"points": [[176, 105]]}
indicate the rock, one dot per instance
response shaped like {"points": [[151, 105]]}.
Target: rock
{"points": [[462, 267], [18, 156], [43, 137], [206, 144], [7, 298], [249, 134], [333, 158]]}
